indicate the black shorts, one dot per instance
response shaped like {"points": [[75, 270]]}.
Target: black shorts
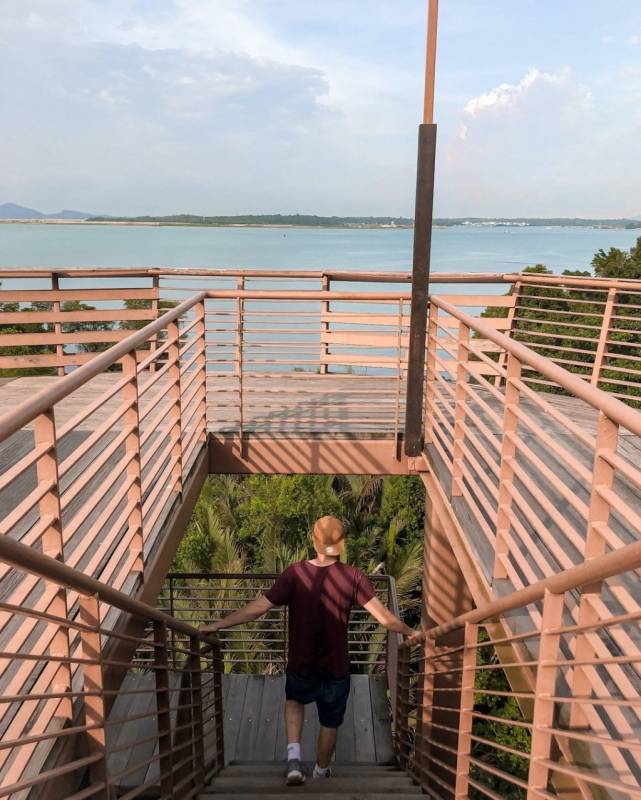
{"points": [[318, 686]]}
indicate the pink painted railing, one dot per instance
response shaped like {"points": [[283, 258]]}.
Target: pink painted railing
{"points": [[542, 482], [557, 737], [92, 466], [75, 733]]}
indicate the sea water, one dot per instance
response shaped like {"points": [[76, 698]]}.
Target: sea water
{"points": [[455, 249]]}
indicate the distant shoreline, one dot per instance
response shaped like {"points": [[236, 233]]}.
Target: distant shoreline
{"points": [[440, 224]]}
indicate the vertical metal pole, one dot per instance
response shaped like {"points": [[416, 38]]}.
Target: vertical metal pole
{"points": [[602, 344], [467, 707], [423, 213], [401, 728], [240, 308], [506, 474], [175, 411], [463, 356], [543, 718], [430, 373], [153, 343], [218, 706], [516, 295], [201, 364], [198, 730], [132, 448], [163, 709], [57, 326], [324, 327], [44, 429], [399, 375], [603, 475], [93, 683]]}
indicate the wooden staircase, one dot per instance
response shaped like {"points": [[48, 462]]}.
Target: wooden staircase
{"points": [[243, 780]]}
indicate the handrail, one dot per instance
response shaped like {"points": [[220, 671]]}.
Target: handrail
{"points": [[276, 294], [589, 572], [601, 401], [332, 274], [14, 420], [26, 558], [337, 275]]}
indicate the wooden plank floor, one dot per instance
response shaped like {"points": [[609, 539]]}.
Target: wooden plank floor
{"points": [[254, 727], [272, 403]]}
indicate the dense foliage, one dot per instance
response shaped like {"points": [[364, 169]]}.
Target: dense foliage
{"points": [[262, 523], [553, 320]]}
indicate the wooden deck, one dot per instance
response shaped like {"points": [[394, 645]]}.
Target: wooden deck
{"points": [[286, 403], [254, 726]]}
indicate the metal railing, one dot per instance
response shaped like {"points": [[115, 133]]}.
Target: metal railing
{"points": [[545, 483], [261, 647], [57, 319], [163, 733], [462, 729], [92, 467]]}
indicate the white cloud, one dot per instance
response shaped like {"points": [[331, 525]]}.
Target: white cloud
{"points": [[510, 94]]}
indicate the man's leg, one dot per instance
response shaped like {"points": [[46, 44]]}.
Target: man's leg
{"points": [[294, 715], [326, 746]]}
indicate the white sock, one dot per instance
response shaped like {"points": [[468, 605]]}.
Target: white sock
{"points": [[293, 750], [320, 772]]}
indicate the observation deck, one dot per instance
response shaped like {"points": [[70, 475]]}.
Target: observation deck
{"points": [[530, 455]]}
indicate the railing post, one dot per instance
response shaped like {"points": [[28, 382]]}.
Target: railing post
{"points": [[153, 342], [53, 544], [506, 473], [240, 309], [324, 326], [57, 326], [598, 515], [602, 344], [430, 375], [175, 396], [516, 293], [132, 449], [468, 679], [94, 702], [201, 365], [198, 731], [543, 716], [217, 662], [163, 710], [399, 376], [462, 359], [401, 727]]}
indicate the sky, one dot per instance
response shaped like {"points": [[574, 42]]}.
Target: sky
{"points": [[266, 106]]}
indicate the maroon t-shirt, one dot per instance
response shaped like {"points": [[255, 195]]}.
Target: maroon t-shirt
{"points": [[319, 601]]}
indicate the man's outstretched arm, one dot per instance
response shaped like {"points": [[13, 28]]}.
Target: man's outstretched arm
{"points": [[392, 622], [251, 611]]}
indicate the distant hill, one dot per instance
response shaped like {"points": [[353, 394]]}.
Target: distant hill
{"points": [[14, 211]]}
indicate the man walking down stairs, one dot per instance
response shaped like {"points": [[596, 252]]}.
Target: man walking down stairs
{"points": [[246, 780]]}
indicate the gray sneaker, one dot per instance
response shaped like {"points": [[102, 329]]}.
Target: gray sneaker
{"points": [[295, 773], [322, 774]]}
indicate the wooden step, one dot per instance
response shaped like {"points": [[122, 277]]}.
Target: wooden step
{"points": [[383, 771], [266, 784], [363, 793]]}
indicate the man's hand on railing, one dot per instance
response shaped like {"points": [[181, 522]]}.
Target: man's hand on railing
{"points": [[213, 627], [413, 638]]}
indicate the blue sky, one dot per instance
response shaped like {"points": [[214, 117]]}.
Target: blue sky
{"points": [[258, 106]]}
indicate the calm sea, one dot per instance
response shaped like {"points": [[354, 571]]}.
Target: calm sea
{"points": [[464, 249]]}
